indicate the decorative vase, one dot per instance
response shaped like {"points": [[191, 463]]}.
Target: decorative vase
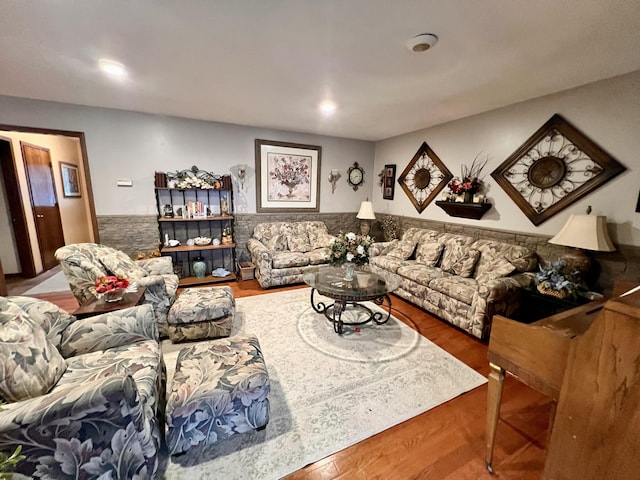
{"points": [[349, 271], [468, 197], [114, 295], [199, 267]]}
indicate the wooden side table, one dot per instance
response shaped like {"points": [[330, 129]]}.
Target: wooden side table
{"points": [[96, 307], [536, 306]]}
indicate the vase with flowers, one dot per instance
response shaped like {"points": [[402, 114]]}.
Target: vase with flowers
{"points": [[351, 250], [111, 288], [554, 280], [469, 181]]}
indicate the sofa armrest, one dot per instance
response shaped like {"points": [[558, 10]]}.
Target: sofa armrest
{"points": [[259, 251], [500, 288], [156, 265], [378, 247], [94, 428], [108, 330]]}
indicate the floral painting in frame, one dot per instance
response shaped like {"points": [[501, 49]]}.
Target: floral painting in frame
{"points": [[287, 177], [70, 180]]}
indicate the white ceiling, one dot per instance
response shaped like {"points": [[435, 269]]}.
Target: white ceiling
{"points": [[268, 63]]}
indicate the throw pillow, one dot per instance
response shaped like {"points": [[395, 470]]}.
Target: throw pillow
{"points": [[30, 363], [298, 242], [277, 243], [402, 249], [319, 239], [428, 253], [500, 267], [464, 265], [119, 263]]}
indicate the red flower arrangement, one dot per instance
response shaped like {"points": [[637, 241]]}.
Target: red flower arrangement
{"points": [[110, 282], [470, 182]]}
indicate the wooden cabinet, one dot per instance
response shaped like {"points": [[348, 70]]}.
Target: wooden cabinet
{"points": [[184, 215]]}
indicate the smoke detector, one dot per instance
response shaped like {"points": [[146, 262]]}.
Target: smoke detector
{"points": [[422, 42]]}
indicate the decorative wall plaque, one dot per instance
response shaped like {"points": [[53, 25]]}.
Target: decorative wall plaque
{"points": [[424, 177], [554, 168]]}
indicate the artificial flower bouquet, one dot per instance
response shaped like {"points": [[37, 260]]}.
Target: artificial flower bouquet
{"points": [[349, 247], [112, 287]]}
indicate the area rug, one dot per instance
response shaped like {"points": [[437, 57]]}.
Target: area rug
{"points": [[55, 283], [328, 391]]}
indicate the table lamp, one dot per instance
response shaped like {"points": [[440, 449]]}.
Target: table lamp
{"points": [[583, 232], [366, 215]]}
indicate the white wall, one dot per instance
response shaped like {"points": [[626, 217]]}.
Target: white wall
{"points": [[74, 211], [608, 112], [128, 145]]}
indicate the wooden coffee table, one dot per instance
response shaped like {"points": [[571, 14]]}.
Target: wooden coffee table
{"points": [[96, 307]]}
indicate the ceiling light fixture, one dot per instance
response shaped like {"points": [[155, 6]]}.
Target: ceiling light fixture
{"points": [[112, 68], [422, 42], [328, 108]]}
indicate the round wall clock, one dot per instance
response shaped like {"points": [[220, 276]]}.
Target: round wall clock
{"points": [[424, 177], [355, 176]]}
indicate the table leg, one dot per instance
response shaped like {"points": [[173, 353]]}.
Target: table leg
{"points": [[494, 397], [338, 308], [378, 317]]}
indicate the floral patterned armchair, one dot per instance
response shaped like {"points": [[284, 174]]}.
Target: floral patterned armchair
{"points": [[83, 395], [84, 263]]}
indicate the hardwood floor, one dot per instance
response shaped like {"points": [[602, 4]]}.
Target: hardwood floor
{"points": [[445, 443]]}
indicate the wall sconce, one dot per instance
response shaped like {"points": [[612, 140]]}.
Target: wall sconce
{"points": [[334, 176], [242, 174]]}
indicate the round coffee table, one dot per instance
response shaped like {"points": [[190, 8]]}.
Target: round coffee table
{"points": [[366, 285]]}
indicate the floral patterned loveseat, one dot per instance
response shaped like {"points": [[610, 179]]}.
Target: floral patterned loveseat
{"points": [[84, 263], [462, 280], [80, 396], [282, 250]]}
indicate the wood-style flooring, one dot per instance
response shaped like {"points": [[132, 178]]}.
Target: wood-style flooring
{"points": [[446, 442]]}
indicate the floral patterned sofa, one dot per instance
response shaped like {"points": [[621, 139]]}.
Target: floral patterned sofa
{"points": [[84, 263], [282, 250], [80, 396], [460, 279]]}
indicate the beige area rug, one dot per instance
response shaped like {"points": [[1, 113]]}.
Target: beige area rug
{"points": [[56, 283], [328, 391]]}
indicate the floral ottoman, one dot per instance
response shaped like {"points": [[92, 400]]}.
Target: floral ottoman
{"points": [[220, 388], [201, 313]]}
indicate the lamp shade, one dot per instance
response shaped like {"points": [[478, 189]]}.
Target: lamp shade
{"points": [[366, 211], [588, 232]]}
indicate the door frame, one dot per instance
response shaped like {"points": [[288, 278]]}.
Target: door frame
{"points": [[25, 253]]}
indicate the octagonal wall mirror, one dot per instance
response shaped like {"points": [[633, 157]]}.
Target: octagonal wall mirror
{"points": [[424, 177], [554, 168]]}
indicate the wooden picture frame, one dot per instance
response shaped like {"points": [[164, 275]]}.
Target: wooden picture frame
{"points": [[70, 180], [554, 168], [389, 182], [287, 177], [638, 204]]}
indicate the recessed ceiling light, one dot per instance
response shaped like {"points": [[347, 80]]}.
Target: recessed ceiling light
{"points": [[327, 108], [422, 42], [112, 68]]}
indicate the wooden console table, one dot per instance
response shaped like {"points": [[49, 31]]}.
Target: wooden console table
{"points": [[96, 307]]}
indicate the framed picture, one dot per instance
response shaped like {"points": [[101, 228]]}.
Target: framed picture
{"points": [[70, 180], [288, 177], [638, 204], [389, 182]]}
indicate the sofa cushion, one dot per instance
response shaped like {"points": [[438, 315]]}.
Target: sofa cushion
{"points": [[277, 243], [465, 264], [388, 263], [421, 274], [53, 320], [402, 249], [319, 237], [29, 363], [298, 242], [459, 288], [522, 258], [455, 247], [499, 267], [290, 259], [318, 256], [428, 253], [119, 263]]}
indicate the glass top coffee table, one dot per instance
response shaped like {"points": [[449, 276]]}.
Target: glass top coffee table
{"points": [[366, 285]]}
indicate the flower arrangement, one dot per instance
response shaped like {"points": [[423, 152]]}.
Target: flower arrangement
{"points": [[469, 180], [194, 178], [389, 227], [349, 247], [553, 280], [107, 283]]}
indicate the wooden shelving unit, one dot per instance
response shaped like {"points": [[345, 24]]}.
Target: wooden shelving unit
{"points": [[212, 225], [474, 211]]}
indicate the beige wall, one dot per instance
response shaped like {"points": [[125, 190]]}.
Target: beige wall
{"points": [[74, 211]]}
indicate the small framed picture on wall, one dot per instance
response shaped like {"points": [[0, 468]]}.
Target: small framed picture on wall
{"points": [[70, 180], [389, 182]]}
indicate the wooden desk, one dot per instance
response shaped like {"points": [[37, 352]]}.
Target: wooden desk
{"points": [[96, 307], [536, 354]]}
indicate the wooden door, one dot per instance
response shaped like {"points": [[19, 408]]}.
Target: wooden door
{"points": [[44, 202]]}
